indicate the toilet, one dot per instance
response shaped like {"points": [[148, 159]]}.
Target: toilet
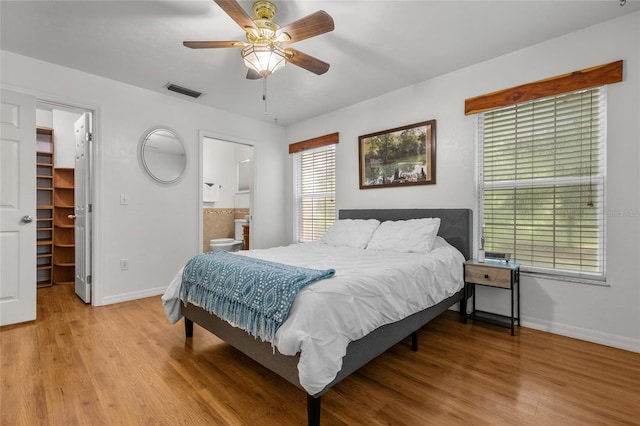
{"points": [[230, 244]]}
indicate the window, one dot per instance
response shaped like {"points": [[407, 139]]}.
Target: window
{"points": [[315, 192], [542, 177]]}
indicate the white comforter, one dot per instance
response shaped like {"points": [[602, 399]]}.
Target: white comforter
{"points": [[370, 288]]}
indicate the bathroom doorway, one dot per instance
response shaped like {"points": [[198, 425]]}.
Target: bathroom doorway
{"points": [[227, 191]]}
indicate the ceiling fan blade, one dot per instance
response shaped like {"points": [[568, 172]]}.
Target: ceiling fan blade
{"points": [[236, 12], [305, 61], [312, 25], [213, 44], [253, 74]]}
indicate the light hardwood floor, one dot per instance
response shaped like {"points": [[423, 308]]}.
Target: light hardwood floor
{"points": [[125, 364]]}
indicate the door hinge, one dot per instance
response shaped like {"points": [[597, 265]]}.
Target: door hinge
{"points": [[90, 137], [88, 279], [89, 208]]}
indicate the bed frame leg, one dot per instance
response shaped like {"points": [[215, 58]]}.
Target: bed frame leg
{"points": [[313, 410], [414, 341], [188, 328]]}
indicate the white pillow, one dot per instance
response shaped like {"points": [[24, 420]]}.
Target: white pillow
{"points": [[406, 236], [351, 232]]}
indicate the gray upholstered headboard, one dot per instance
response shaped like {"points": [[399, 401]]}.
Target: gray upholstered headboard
{"points": [[456, 225]]}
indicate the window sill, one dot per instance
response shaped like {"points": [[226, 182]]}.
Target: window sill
{"points": [[600, 282]]}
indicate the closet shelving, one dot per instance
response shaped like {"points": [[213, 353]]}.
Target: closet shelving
{"points": [[44, 200], [64, 226]]}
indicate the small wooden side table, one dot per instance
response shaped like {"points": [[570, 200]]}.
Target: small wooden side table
{"points": [[497, 274]]}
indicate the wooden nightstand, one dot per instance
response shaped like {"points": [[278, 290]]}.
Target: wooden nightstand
{"points": [[493, 274]]}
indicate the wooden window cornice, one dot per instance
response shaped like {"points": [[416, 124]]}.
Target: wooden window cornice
{"points": [[313, 143], [577, 80]]}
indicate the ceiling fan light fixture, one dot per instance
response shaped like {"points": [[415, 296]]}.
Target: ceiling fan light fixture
{"points": [[263, 52], [265, 59]]}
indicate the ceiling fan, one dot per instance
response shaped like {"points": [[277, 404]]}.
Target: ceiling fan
{"points": [[267, 47]]}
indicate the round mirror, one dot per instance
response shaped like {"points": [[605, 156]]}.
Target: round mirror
{"points": [[163, 155]]}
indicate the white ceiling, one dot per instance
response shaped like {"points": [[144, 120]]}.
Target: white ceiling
{"points": [[377, 46]]}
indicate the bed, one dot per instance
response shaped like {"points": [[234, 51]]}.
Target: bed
{"points": [[455, 227]]}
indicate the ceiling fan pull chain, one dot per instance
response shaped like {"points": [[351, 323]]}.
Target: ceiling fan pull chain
{"points": [[264, 93]]}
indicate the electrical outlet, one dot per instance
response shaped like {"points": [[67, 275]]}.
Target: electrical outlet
{"points": [[124, 264]]}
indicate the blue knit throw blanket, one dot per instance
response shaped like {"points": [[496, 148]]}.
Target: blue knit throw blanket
{"points": [[253, 294]]}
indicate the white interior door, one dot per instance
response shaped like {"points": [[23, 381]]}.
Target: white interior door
{"points": [[17, 208], [82, 129]]}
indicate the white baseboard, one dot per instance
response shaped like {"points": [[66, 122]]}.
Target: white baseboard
{"points": [[606, 339], [126, 297]]}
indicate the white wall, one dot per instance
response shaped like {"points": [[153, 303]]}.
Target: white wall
{"points": [[220, 166], [44, 118], [609, 315], [158, 230]]}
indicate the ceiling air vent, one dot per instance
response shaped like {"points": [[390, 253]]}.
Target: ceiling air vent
{"points": [[183, 90]]}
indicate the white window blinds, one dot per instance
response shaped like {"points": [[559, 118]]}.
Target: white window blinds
{"points": [[542, 183], [315, 192]]}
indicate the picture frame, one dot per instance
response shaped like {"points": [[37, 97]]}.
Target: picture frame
{"points": [[404, 156]]}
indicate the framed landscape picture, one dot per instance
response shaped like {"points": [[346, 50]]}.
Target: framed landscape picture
{"points": [[399, 157]]}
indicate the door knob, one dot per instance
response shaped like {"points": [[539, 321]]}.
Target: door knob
{"points": [[26, 219], [72, 216]]}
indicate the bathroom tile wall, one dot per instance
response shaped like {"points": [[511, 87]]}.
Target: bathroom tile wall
{"points": [[219, 223]]}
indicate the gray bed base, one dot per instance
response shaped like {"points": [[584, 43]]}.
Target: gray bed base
{"points": [[455, 227]]}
